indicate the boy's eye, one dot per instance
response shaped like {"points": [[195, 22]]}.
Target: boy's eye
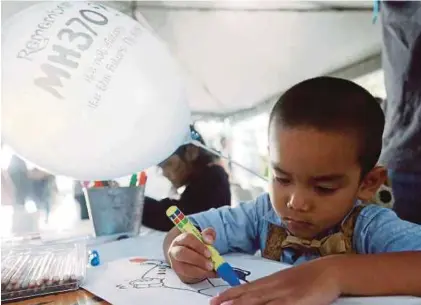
{"points": [[325, 190], [283, 181]]}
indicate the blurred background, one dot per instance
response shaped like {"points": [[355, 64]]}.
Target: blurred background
{"points": [[238, 57]]}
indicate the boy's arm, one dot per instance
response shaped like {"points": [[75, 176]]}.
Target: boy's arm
{"points": [[388, 263], [379, 274], [393, 261], [380, 230], [323, 280], [227, 229], [236, 228]]}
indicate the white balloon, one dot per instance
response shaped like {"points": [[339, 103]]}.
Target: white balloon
{"points": [[89, 93]]}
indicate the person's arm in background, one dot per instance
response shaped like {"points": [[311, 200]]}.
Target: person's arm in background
{"points": [[210, 190], [401, 152]]}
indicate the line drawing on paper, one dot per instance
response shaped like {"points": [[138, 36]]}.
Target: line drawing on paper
{"points": [[158, 274]]}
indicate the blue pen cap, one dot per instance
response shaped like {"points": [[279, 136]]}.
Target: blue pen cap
{"points": [[93, 257], [228, 274]]}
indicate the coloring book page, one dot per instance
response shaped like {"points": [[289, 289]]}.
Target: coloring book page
{"points": [[126, 281], [137, 280]]}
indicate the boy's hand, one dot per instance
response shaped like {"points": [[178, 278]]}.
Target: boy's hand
{"points": [[190, 258], [313, 283]]}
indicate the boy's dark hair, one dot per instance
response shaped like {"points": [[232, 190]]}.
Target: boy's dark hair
{"points": [[329, 104]]}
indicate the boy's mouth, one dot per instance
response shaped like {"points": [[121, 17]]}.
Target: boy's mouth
{"points": [[295, 225]]}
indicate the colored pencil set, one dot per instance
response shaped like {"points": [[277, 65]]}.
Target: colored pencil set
{"points": [[38, 271]]}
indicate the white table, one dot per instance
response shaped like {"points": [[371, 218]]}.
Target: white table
{"points": [[150, 246]]}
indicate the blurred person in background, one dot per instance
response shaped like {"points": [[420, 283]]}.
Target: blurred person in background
{"points": [[401, 154], [16, 189], [17, 171], [80, 198], [7, 189], [206, 184], [42, 190]]}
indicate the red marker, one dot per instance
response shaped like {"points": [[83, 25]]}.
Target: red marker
{"points": [[98, 184], [142, 178]]}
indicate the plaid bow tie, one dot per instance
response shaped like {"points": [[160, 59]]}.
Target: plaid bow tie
{"points": [[331, 244]]}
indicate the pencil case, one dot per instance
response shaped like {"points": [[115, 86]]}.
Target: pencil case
{"points": [[28, 271]]}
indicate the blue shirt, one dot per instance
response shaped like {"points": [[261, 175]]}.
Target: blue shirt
{"points": [[245, 228]]}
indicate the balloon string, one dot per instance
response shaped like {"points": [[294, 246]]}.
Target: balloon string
{"points": [[212, 151], [376, 9]]}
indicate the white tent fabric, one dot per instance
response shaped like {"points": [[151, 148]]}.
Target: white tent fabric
{"points": [[238, 59], [238, 54]]}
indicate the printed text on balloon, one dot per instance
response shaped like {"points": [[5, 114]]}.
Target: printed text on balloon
{"points": [[67, 58]]}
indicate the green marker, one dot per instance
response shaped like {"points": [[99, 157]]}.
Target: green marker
{"points": [[133, 180]]}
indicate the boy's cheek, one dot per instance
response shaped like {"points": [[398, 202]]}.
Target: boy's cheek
{"points": [[271, 190], [276, 197]]}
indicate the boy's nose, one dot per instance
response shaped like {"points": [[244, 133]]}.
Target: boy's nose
{"points": [[298, 202]]}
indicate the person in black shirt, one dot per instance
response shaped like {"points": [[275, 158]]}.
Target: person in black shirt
{"points": [[207, 185]]}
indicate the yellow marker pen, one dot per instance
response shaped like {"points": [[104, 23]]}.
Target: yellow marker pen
{"points": [[223, 269]]}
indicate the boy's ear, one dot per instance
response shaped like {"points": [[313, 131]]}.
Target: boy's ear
{"points": [[371, 182]]}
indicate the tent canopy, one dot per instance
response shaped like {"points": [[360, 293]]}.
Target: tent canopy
{"points": [[240, 55]]}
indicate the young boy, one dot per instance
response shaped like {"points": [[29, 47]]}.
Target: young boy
{"points": [[325, 137]]}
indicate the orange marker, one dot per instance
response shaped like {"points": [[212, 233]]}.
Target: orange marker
{"points": [[142, 178], [98, 184]]}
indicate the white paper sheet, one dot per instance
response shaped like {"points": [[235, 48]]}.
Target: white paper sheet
{"points": [[126, 281]]}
